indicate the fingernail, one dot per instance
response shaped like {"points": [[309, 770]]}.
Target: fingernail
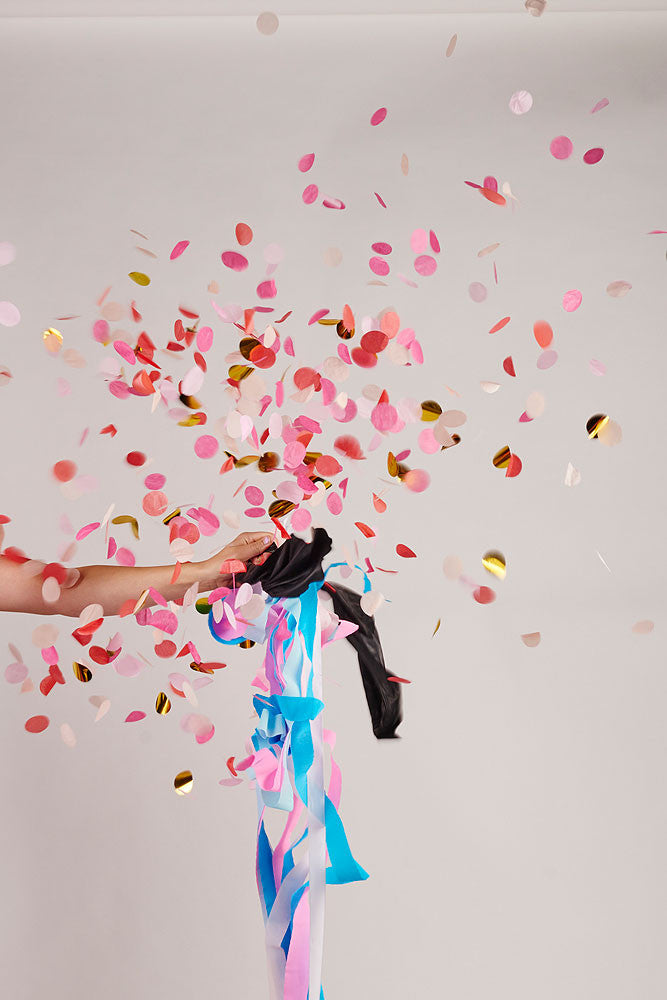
{"points": [[266, 539]]}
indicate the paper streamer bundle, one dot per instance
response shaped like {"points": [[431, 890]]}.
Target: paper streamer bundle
{"points": [[277, 604]]}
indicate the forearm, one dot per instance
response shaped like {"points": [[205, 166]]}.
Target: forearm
{"points": [[112, 586]]}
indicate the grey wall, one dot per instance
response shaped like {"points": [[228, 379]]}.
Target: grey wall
{"points": [[515, 835]]}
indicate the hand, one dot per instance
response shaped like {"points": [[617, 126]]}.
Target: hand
{"points": [[247, 547]]}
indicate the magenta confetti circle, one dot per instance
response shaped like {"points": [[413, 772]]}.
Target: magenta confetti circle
{"points": [[593, 155]]}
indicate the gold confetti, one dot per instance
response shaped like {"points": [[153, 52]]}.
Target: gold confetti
{"points": [[162, 704], [430, 410], [501, 459], [183, 782], [495, 563], [139, 277], [53, 340], [437, 626], [128, 519], [81, 672], [595, 424]]}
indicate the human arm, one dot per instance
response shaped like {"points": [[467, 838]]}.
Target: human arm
{"points": [[111, 586]]}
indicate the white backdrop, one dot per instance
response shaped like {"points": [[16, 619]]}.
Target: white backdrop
{"points": [[515, 834]]}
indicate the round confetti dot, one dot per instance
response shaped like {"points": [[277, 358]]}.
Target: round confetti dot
{"points": [[155, 481], [378, 266], [7, 253], [484, 595], [243, 234], [9, 314], [543, 333], [617, 289], [547, 359], [267, 24], [572, 300], [155, 503], [643, 627], [267, 289], [520, 102], [310, 194], [306, 162], [136, 458], [561, 147], [64, 471], [383, 248], [301, 519], [334, 503], [206, 446], [477, 291], [333, 256], [593, 155], [37, 724], [425, 265], [254, 495], [378, 116], [233, 260], [16, 673]]}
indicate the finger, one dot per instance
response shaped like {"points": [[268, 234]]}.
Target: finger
{"points": [[252, 544]]}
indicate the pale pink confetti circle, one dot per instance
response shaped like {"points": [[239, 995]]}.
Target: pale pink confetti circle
{"points": [[267, 23], [9, 314], [477, 291], [378, 116], [334, 503], [206, 446], [7, 253], [419, 241], [547, 359], [15, 673], [561, 147], [572, 300], [267, 289], [593, 155], [520, 102], [597, 367], [425, 265], [155, 481]]}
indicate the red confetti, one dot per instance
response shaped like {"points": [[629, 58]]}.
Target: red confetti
{"points": [[37, 724], [500, 324], [364, 529], [405, 552]]}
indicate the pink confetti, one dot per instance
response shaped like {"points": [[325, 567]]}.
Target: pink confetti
{"points": [[378, 266], [206, 446], [600, 105], [254, 495], [301, 519], [477, 291], [233, 260], [380, 199], [547, 359], [255, 512], [378, 116], [204, 339], [520, 102], [9, 314], [419, 241], [433, 240], [179, 249], [334, 503], [85, 531], [267, 289], [310, 194], [593, 155], [155, 481], [320, 314], [306, 162], [561, 147], [425, 265], [572, 300], [333, 203], [383, 248], [597, 367], [135, 716]]}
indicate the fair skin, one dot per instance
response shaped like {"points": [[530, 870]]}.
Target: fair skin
{"points": [[112, 586]]}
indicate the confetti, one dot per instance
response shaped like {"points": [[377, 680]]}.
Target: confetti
{"points": [[267, 24], [179, 249], [233, 260], [9, 314], [7, 253], [593, 155], [600, 105], [561, 147], [451, 46], [378, 116], [37, 724], [617, 289], [494, 562], [531, 639], [139, 277], [405, 552], [572, 300], [643, 627], [306, 162], [520, 102]]}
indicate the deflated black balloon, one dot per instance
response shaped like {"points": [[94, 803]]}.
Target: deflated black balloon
{"points": [[288, 572]]}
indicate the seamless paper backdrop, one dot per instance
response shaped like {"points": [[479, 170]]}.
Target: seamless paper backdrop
{"points": [[515, 834]]}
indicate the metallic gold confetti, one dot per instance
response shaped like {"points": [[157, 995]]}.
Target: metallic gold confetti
{"points": [[183, 782], [595, 423], [437, 626], [82, 672], [162, 704], [128, 519], [501, 459], [430, 410], [495, 563]]}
